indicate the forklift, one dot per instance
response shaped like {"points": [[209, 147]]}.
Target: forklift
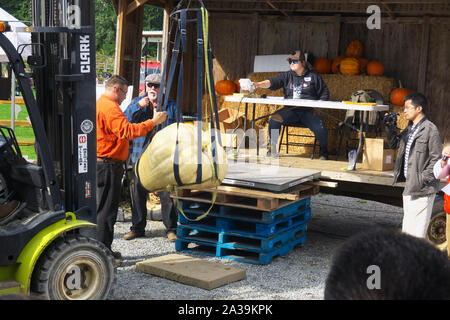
{"points": [[48, 245]]}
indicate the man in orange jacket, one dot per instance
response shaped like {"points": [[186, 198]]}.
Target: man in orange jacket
{"points": [[113, 134]]}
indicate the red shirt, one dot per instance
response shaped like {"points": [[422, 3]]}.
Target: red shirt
{"points": [[114, 130]]}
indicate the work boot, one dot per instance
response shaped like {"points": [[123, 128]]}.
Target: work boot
{"points": [[117, 258], [171, 236], [7, 210], [323, 154], [133, 235]]}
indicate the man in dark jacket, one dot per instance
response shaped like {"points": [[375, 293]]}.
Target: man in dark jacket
{"points": [[299, 83], [419, 148]]}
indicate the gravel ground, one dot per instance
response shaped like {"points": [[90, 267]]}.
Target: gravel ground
{"points": [[300, 275]]}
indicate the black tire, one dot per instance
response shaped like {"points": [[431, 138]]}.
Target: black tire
{"points": [[74, 267]]}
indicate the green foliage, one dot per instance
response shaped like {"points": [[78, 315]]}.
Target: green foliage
{"points": [[20, 9]]}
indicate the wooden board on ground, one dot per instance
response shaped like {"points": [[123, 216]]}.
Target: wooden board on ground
{"points": [[249, 198], [191, 271]]}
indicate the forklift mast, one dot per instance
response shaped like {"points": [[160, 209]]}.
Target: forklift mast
{"points": [[63, 34]]}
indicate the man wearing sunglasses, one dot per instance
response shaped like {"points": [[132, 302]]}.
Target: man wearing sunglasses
{"points": [[301, 82], [140, 109]]}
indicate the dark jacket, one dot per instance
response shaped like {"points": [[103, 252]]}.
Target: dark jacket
{"points": [[313, 86], [425, 151]]}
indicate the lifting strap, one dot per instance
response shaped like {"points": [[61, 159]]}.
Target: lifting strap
{"points": [[204, 57]]}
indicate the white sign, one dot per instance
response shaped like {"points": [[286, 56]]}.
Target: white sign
{"points": [[82, 153]]}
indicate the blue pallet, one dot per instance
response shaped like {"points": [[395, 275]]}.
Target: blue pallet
{"points": [[250, 215], [246, 228], [236, 241], [241, 255]]}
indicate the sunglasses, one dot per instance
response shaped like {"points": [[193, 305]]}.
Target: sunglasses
{"points": [[295, 61], [155, 85]]}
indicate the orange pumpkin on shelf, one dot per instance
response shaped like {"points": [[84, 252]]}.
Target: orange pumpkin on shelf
{"points": [[397, 95], [225, 87], [322, 65], [354, 49], [238, 85], [363, 64], [335, 64], [349, 66], [375, 68]]}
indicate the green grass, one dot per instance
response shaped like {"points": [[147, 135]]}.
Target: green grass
{"points": [[22, 133]]}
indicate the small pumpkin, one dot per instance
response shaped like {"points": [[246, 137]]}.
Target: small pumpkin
{"points": [[349, 66], [225, 87], [322, 65], [363, 64], [354, 49], [397, 95], [335, 64], [375, 68], [238, 85]]}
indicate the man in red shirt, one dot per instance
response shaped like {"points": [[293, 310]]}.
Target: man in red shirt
{"points": [[113, 134]]}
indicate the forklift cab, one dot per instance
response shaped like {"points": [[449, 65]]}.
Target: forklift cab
{"points": [[48, 245]]}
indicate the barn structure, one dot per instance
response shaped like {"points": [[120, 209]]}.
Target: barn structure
{"points": [[412, 42]]}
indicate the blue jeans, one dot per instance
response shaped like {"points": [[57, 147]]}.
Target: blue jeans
{"points": [[307, 117]]}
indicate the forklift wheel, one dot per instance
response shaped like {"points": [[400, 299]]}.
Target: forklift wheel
{"points": [[436, 230], [74, 268]]}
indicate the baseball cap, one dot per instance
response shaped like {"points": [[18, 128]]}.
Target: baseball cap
{"points": [[296, 55], [153, 78]]}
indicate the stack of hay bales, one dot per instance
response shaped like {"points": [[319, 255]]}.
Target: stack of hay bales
{"points": [[341, 88]]}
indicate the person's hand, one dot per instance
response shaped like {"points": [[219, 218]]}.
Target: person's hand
{"points": [[445, 153], [159, 117], [256, 85], [144, 102]]}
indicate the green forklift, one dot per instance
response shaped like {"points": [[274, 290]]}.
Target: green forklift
{"points": [[48, 246]]}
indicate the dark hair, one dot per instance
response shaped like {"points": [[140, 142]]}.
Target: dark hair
{"points": [[417, 99], [116, 80], [409, 268]]}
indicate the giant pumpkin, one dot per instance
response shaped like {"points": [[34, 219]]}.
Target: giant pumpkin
{"points": [[156, 165], [225, 87], [349, 66]]}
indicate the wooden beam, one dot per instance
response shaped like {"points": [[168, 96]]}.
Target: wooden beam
{"points": [[388, 9], [274, 7], [135, 4], [120, 38]]}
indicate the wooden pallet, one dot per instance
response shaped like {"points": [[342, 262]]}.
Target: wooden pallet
{"points": [[248, 198]]}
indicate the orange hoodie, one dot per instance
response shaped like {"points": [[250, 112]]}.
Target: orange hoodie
{"points": [[114, 130]]}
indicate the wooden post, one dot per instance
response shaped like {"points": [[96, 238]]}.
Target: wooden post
{"points": [[120, 37]]}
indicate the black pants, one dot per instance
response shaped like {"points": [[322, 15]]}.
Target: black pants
{"points": [[139, 208], [109, 177]]}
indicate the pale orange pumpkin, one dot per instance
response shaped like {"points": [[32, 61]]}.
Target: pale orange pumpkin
{"points": [[397, 95], [375, 68], [322, 65], [335, 64], [349, 66], [225, 87], [354, 49]]}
